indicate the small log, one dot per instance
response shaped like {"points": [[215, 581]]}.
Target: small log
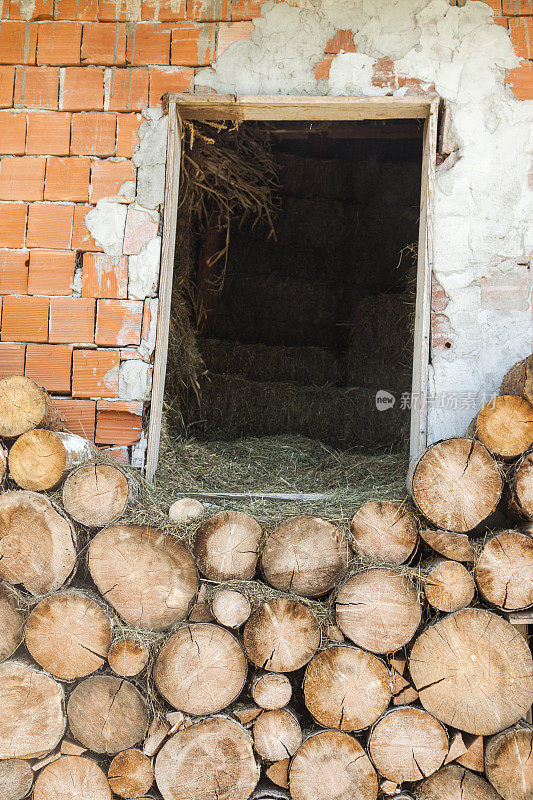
{"points": [[346, 688], [385, 531], [69, 635], [519, 379], [227, 547], [37, 543], [157, 733], [456, 484], [457, 747], [473, 672], [305, 555], [271, 690], [127, 656], [505, 426], [403, 692], [277, 734], [455, 546], [407, 744], [69, 748], [474, 758], [130, 774], [16, 779], [148, 577], [230, 608], [11, 623], [201, 609], [98, 494], [520, 495], [281, 635], [41, 763], [72, 777], [449, 586], [185, 509], [32, 715], [332, 765], [200, 669], [504, 571], [278, 773], [212, 758], [509, 763], [40, 459], [379, 610], [246, 714], [107, 714], [453, 782], [24, 406]]}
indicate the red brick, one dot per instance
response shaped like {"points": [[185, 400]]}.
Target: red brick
{"points": [[13, 272], [11, 359], [108, 176], [127, 134], [71, 320], [116, 424], [59, 43], [12, 133], [118, 322], [516, 7], [7, 83], [322, 68], [25, 319], [37, 87], [102, 277], [169, 79], [22, 178], [76, 9], [342, 40], [114, 10], [49, 365], [43, 9], [245, 9], [521, 81], [83, 89], [48, 133], [503, 21], [148, 44], [164, 10], [120, 454], [12, 224], [232, 32], [49, 226], [521, 33], [140, 228], [441, 333], [67, 179], [384, 73], [17, 42], [104, 43], [81, 236], [93, 134], [95, 373], [79, 415], [210, 11], [193, 44], [502, 291], [439, 298], [51, 272], [128, 90]]}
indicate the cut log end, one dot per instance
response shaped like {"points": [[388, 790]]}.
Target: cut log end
{"points": [[11, 622], [455, 783], [24, 406], [449, 586], [455, 546], [504, 571], [227, 547], [130, 774], [277, 735], [281, 636], [230, 608], [505, 426], [186, 509], [522, 487], [385, 531], [271, 690], [40, 459], [128, 657], [519, 380], [509, 763], [278, 773], [72, 776], [97, 494], [16, 779]]}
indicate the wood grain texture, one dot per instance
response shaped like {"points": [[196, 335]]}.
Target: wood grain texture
{"points": [[40, 459], [11, 622], [130, 774], [72, 777], [504, 571], [277, 734], [509, 763], [128, 656], [519, 380], [455, 546], [227, 546], [271, 690], [16, 779], [449, 586], [385, 531], [456, 783], [505, 426], [24, 406], [281, 635], [97, 494]]}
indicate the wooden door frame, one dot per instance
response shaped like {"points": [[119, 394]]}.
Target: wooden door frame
{"points": [[298, 108]]}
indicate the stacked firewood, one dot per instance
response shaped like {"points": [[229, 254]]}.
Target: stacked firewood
{"points": [[303, 662]]}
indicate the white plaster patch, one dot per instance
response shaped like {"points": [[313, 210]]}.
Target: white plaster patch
{"points": [[351, 74], [143, 270], [134, 381], [106, 223]]}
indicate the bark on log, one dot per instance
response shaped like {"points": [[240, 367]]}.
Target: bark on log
{"points": [[268, 793], [32, 714], [453, 782], [148, 577], [130, 774], [37, 543], [504, 571], [305, 555], [271, 690], [40, 459], [277, 734], [11, 623], [449, 586], [128, 657], [407, 744], [24, 406], [379, 610], [473, 672], [212, 758], [230, 608], [281, 636], [3, 464], [456, 484], [98, 494], [69, 635], [72, 777], [227, 547], [332, 765], [519, 380], [16, 779], [509, 763], [278, 773], [520, 495], [385, 531], [200, 669], [107, 714], [455, 546], [346, 688], [505, 426]]}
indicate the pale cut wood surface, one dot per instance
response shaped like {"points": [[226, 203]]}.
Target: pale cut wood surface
{"points": [[281, 635], [453, 782], [130, 774], [11, 622], [16, 779], [128, 656], [227, 546], [455, 546], [40, 459], [3, 464], [72, 778], [449, 586], [271, 690], [97, 494], [474, 758], [278, 772], [509, 763], [24, 406], [505, 426], [522, 486], [230, 608], [519, 379], [385, 531], [277, 734], [504, 571]]}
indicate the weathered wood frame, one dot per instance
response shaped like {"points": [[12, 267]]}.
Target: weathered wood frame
{"points": [[302, 108]]}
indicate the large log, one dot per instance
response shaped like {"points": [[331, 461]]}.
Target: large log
{"points": [[277, 734], [455, 546], [37, 543], [148, 577], [212, 758], [271, 690], [32, 715], [230, 608], [509, 763], [305, 555], [504, 571], [453, 782], [449, 586], [505, 426], [227, 547], [107, 714], [69, 635], [473, 671], [519, 379], [130, 774], [128, 656], [456, 484], [200, 669], [24, 406], [40, 459], [72, 777], [11, 623], [332, 765], [98, 494], [379, 610], [346, 688], [385, 531], [407, 744], [16, 779], [281, 635]]}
